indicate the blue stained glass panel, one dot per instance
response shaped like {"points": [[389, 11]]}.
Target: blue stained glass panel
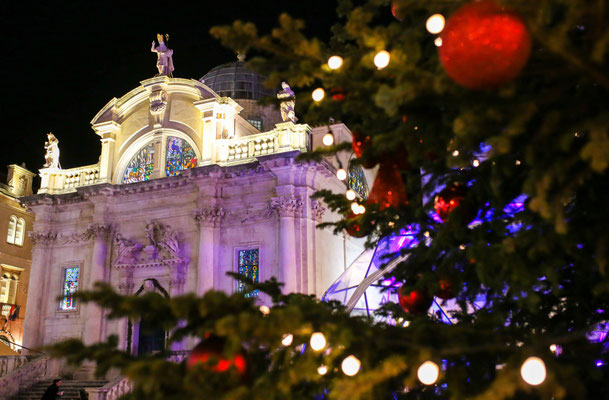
{"points": [[180, 156], [357, 181], [70, 285], [141, 166], [249, 265]]}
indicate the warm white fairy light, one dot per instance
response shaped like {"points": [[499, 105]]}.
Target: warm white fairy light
{"points": [[318, 94], [335, 62], [455, 153], [265, 310], [438, 42], [322, 370], [476, 163], [435, 24], [328, 139], [428, 373], [381, 59], [533, 371], [350, 194], [351, 366], [287, 339], [341, 174], [553, 348], [318, 341], [517, 162]]}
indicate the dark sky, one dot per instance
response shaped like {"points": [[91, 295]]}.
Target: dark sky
{"points": [[62, 61]]}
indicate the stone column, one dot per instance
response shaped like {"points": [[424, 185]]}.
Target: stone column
{"points": [[107, 133], [288, 207], [98, 272], [209, 219], [33, 329]]}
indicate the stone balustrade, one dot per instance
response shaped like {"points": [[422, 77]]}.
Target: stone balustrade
{"points": [[23, 375], [111, 391], [56, 180]]}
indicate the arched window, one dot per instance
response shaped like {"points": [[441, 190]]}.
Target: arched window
{"points": [[357, 181], [12, 228], [180, 156], [141, 165], [20, 232]]}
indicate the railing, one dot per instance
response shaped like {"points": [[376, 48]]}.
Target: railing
{"points": [[111, 391], [178, 356], [5, 309], [55, 180], [22, 377]]}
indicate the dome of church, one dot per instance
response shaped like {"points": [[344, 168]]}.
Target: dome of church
{"points": [[234, 80]]}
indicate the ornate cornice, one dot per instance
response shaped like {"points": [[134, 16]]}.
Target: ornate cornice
{"points": [[99, 230], [43, 238], [287, 206], [210, 216]]}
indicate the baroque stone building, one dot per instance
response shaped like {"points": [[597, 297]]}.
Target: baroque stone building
{"points": [[186, 190]]}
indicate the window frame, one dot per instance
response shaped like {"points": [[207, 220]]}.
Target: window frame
{"points": [[10, 237], [62, 283], [236, 265], [20, 232]]}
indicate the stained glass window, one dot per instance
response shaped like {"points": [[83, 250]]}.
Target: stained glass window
{"points": [[180, 156], [249, 262], [357, 181], [141, 165], [70, 285]]}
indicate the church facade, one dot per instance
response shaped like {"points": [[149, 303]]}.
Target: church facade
{"points": [[187, 188]]}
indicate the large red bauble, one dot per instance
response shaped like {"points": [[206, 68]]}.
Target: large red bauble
{"points": [[359, 144], [415, 301], [397, 10], [484, 45], [356, 229], [388, 189], [213, 347], [449, 199]]}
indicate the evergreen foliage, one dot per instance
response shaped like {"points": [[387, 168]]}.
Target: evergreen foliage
{"points": [[543, 268]]}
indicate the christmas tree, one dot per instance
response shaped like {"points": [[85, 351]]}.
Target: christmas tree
{"points": [[488, 123]]}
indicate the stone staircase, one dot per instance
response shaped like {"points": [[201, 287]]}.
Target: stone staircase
{"points": [[70, 389]]}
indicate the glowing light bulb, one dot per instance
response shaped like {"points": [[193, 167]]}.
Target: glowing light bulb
{"points": [[355, 208], [341, 174], [328, 139], [438, 42], [435, 24], [318, 94], [381, 59], [265, 310], [350, 194], [533, 371], [287, 339], [335, 62], [455, 153], [318, 341], [362, 209], [428, 373], [322, 370], [476, 163], [553, 348], [351, 366]]}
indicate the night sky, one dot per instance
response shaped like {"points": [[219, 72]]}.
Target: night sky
{"points": [[62, 61]]}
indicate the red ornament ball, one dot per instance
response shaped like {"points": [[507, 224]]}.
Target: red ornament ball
{"points": [[356, 229], [213, 348], [359, 144], [484, 45], [445, 291], [415, 301], [449, 199], [388, 189], [397, 10]]}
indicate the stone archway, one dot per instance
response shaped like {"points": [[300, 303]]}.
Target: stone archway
{"points": [[146, 336]]}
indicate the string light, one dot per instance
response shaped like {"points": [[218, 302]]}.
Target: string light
{"points": [[328, 139], [318, 341], [350, 194], [533, 371], [322, 370], [287, 339], [476, 163], [428, 373], [351, 366], [435, 24], [318, 94], [455, 153], [438, 42], [381, 59], [341, 174], [335, 62], [265, 310]]}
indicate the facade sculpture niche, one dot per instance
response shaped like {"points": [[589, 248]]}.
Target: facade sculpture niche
{"points": [[163, 247]]}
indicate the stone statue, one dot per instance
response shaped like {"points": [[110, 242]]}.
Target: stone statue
{"points": [[51, 157], [288, 103], [164, 61], [170, 241], [127, 250]]}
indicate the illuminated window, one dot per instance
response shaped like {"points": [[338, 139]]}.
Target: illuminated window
{"points": [[357, 181], [256, 123], [141, 166], [12, 228], [180, 156], [69, 287], [20, 232], [249, 265]]}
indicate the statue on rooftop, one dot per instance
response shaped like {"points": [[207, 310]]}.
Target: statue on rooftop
{"points": [[51, 156], [288, 102], [164, 61]]}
